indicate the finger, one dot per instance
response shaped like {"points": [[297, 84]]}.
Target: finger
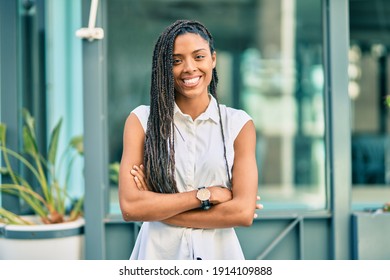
{"points": [[259, 206], [138, 183], [255, 216], [134, 172], [143, 182], [140, 170], [138, 179]]}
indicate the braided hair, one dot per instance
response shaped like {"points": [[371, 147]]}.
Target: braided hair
{"points": [[159, 150]]}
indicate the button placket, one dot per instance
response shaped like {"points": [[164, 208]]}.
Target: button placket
{"points": [[190, 147]]}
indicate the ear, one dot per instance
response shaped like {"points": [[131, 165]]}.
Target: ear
{"points": [[214, 59]]}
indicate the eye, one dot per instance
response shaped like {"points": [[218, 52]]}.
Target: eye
{"points": [[176, 61], [200, 56]]}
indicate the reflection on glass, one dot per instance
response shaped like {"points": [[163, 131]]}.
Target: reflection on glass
{"points": [[370, 125], [369, 76], [269, 60]]}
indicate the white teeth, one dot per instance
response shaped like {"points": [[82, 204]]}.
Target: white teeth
{"points": [[191, 81]]}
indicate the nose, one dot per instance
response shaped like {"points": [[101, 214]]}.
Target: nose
{"points": [[189, 65]]}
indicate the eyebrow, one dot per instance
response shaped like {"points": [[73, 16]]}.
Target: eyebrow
{"points": [[195, 51]]}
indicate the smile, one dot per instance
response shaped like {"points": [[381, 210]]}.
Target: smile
{"points": [[191, 82]]}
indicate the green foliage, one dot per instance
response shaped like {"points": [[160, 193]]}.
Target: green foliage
{"points": [[114, 172], [49, 198], [387, 101]]}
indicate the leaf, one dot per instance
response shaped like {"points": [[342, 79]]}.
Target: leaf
{"points": [[53, 145], [114, 172], [77, 209], [387, 101], [114, 167], [29, 138], [77, 144], [11, 218], [3, 129], [29, 143], [25, 193], [4, 171], [30, 122]]}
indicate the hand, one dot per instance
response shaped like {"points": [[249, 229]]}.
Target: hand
{"points": [[139, 177], [258, 206]]}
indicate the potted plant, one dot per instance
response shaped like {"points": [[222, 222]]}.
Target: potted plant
{"points": [[57, 220]]}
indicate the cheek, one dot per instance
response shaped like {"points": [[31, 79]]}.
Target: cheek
{"points": [[175, 78], [210, 67], [209, 75]]}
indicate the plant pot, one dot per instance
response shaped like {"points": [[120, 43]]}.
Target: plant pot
{"points": [[64, 241]]}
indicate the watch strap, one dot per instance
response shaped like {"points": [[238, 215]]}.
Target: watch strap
{"points": [[206, 205]]}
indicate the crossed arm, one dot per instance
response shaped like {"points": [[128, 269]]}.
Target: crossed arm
{"points": [[230, 208]]}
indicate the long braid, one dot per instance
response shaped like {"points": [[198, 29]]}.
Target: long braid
{"points": [[213, 91], [159, 152]]}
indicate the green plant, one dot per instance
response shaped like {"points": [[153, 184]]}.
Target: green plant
{"points": [[387, 100], [49, 199], [114, 172]]}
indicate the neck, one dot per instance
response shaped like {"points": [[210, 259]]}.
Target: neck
{"points": [[193, 107]]}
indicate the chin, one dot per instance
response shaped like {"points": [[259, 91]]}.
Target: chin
{"points": [[194, 93]]}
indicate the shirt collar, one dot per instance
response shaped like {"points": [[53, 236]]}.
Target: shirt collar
{"points": [[210, 113]]}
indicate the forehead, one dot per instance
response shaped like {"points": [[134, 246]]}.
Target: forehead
{"points": [[189, 42]]}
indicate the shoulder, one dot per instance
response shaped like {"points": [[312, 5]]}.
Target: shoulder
{"points": [[142, 113], [235, 119], [237, 114]]}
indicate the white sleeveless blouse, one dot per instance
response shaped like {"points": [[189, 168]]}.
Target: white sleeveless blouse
{"points": [[200, 161]]}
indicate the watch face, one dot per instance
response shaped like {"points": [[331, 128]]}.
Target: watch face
{"points": [[203, 194]]}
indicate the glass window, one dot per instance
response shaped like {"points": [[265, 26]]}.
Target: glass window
{"points": [[270, 63], [369, 76]]}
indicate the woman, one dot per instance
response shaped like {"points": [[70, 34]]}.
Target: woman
{"points": [[188, 168]]}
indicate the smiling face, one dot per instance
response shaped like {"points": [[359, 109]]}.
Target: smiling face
{"points": [[193, 65]]}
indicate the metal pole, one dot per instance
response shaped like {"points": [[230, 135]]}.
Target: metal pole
{"points": [[95, 141], [336, 46]]}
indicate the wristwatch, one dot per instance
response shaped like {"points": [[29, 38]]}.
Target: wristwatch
{"points": [[203, 195]]}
